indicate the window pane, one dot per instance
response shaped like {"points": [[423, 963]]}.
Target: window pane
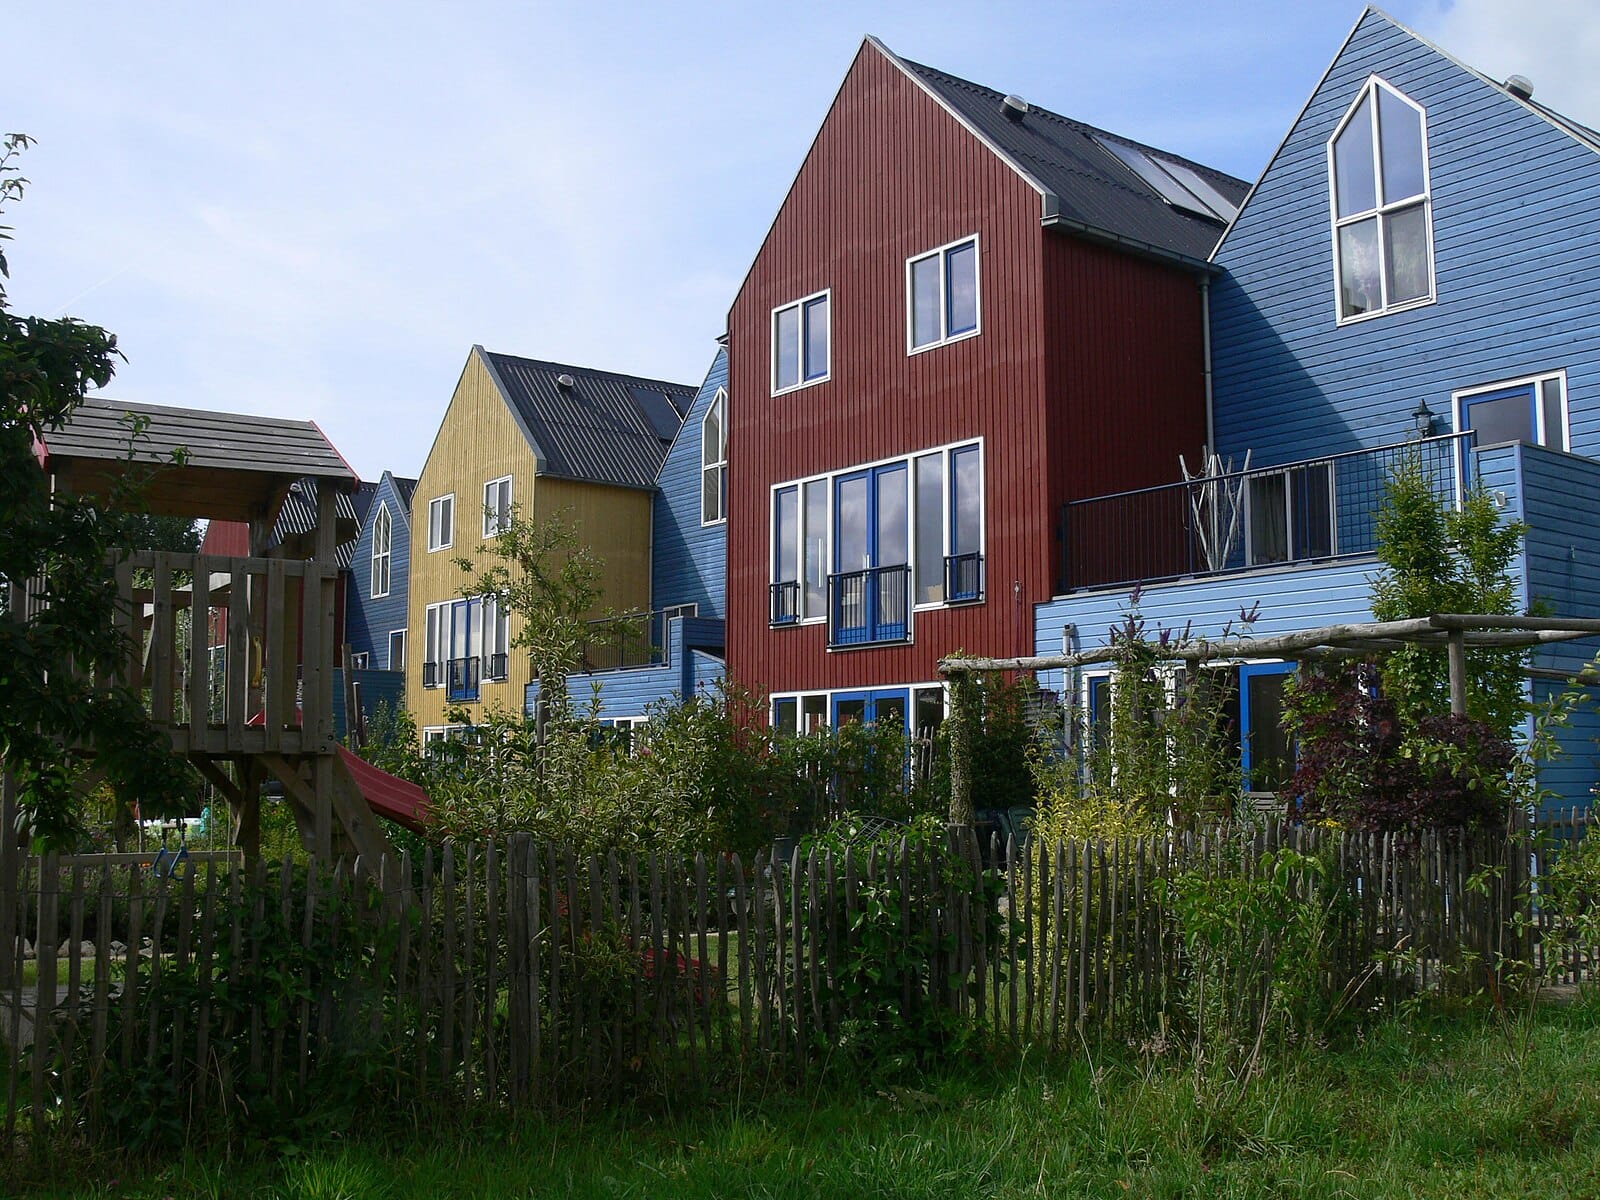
{"points": [[1503, 418], [397, 651], [816, 538], [786, 715], [813, 713], [817, 339], [1313, 511], [786, 346], [1269, 519], [1407, 231], [962, 298], [929, 711], [966, 502], [850, 518], [892, 517], [786, 536], [711, 435], [1271, 751], [851, 710], [1555, 427], [1355, 189], [930, 529], [1359, 289], [925, 301], [711, 494], [1400, 143]]}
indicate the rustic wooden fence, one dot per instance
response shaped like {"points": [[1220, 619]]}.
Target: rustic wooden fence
{"points": [[520, 974]]}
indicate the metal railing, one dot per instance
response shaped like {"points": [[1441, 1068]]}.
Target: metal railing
{"points": [[494, 666], [463, 678], [786, 602], [636, 639], [872, 605], [963, 578], [1316, 509], [431, 675]]}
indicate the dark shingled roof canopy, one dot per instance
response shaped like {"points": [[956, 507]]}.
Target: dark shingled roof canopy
{"points": [[604, 428]]}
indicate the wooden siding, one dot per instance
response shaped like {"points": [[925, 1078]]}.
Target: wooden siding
{"points": [[1516, 217], [633, 692], [689, 560], [890, 175], [372, 618]]}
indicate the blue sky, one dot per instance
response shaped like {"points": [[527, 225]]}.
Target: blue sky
{"points": [[314, 210]]}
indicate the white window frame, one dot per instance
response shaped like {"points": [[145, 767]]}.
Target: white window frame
{"points": [[404, 639], [382, 559], [772, 333], [359, 660], [1382, 209], [1460, 399], [946, 451], [945, 337], [719, 409], [493, 523], [434, 636], [436, 528], [498, 643], [827, 695]]}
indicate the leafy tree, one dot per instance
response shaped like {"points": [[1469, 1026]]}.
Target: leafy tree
{"points": [[49, 659], [1437, 559]]}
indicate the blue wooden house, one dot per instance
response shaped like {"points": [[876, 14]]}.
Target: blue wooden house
{"points": [[1415, 272], [378, 592], [676, 648]]}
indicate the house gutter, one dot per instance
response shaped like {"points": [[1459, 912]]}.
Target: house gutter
{"points": [[1134, 246]]}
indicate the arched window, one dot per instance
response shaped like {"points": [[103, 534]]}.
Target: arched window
{"points": [[1382, 234], [714, 461], [382, 535]]}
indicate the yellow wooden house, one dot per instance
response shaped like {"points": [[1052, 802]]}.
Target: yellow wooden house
{"points": [[548, 439]]}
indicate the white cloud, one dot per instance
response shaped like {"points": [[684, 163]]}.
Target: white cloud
{"points": [[1554, 43]]}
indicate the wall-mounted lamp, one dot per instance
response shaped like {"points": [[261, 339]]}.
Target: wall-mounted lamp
{"points": [[1422, 420]]}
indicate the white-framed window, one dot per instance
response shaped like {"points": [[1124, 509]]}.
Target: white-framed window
{"points": [[435, 736], [436, 623], [441, 522], [1530, 409], [942, 303], [496, 638], [714, 461], [1379, 200], [397, 650], [382, 541], [802, 342], [358, 660], [497, 506], [838, 523]]}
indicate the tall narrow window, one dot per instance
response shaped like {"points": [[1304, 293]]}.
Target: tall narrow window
{"points": [[397, 650], [441, 522], [496, 638], [433, 646], [382, 540], [942, 295], [1378, 171], [801, 336], [714, 461], [496, 506], [930, 528], [786, 556]]}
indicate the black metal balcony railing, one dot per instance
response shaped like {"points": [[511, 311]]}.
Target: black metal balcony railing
{"points": [[494, 666], [463, 678], [873, 605], [1313, 510], [786, 602], [430, 674], [963, 578]]}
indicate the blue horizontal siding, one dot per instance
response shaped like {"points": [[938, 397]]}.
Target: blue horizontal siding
{"points": [[377, 687], [689, 561], [693, 662], [368, 619], [1517, 270]]}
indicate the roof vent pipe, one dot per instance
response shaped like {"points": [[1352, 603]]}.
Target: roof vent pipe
{"points": [[566, 381], [1015, 107], [1520, 86]]}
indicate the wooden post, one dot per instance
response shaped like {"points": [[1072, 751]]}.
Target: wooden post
{"points": [[960, 722], [1458, 672], [10, 875]]}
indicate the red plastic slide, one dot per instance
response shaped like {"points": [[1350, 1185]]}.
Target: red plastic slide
{"points": [[403, 803]]}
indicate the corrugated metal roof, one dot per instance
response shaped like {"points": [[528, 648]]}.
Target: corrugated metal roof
{"points": [[99, 429], [1095, 188], [599, 429], [297, 520]]}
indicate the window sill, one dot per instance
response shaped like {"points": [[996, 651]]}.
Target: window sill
{"points": [[1358, 318], [949, 341], [802, 385]]}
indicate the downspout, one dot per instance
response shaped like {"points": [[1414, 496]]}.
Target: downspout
{"points": [[1205, 358]]}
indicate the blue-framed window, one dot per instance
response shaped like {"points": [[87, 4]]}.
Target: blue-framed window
{"points": [[1266, 751], [881, 706], [1532, 410], [870, 588]]}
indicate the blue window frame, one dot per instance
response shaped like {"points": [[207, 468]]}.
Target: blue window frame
{"points": [[463, 669], [870, 589], [879, 707], [1266, 751], [1530, 410]]}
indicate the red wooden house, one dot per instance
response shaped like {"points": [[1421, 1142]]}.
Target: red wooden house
{"points": [[967, 312]]}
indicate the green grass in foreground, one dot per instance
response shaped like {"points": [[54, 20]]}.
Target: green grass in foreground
{"points": [[1454, 1110]]}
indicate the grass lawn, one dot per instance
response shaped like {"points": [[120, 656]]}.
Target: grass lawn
{"points": [[1455, 1109]]}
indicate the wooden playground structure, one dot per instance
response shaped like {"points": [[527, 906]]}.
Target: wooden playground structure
{"points": [[244, 689]]}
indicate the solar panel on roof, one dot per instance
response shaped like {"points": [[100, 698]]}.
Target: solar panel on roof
{"points": [[1196, 183], [1165, 184], [663, 416]]}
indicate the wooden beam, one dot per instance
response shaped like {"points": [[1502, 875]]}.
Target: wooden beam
{"points": [[1458, 673]]}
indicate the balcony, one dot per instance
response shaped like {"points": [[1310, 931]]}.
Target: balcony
{"points": [[785, 602], [1315, 510], [637, 639], [869, 607], [963, 578]]}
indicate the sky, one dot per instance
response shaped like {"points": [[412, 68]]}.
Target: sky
{"points": [[314, 210]]}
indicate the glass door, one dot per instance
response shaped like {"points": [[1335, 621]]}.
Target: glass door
{"points": [[871, 584]]}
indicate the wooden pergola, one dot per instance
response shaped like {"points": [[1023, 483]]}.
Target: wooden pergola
{"points": [[1454, 633]]}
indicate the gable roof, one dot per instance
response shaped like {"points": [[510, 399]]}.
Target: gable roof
{"points": [[1573, 129], [1086, 186], [605, 428], [404, 489]]}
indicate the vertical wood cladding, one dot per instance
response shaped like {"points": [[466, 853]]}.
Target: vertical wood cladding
{"points": [[1086, 370]]}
